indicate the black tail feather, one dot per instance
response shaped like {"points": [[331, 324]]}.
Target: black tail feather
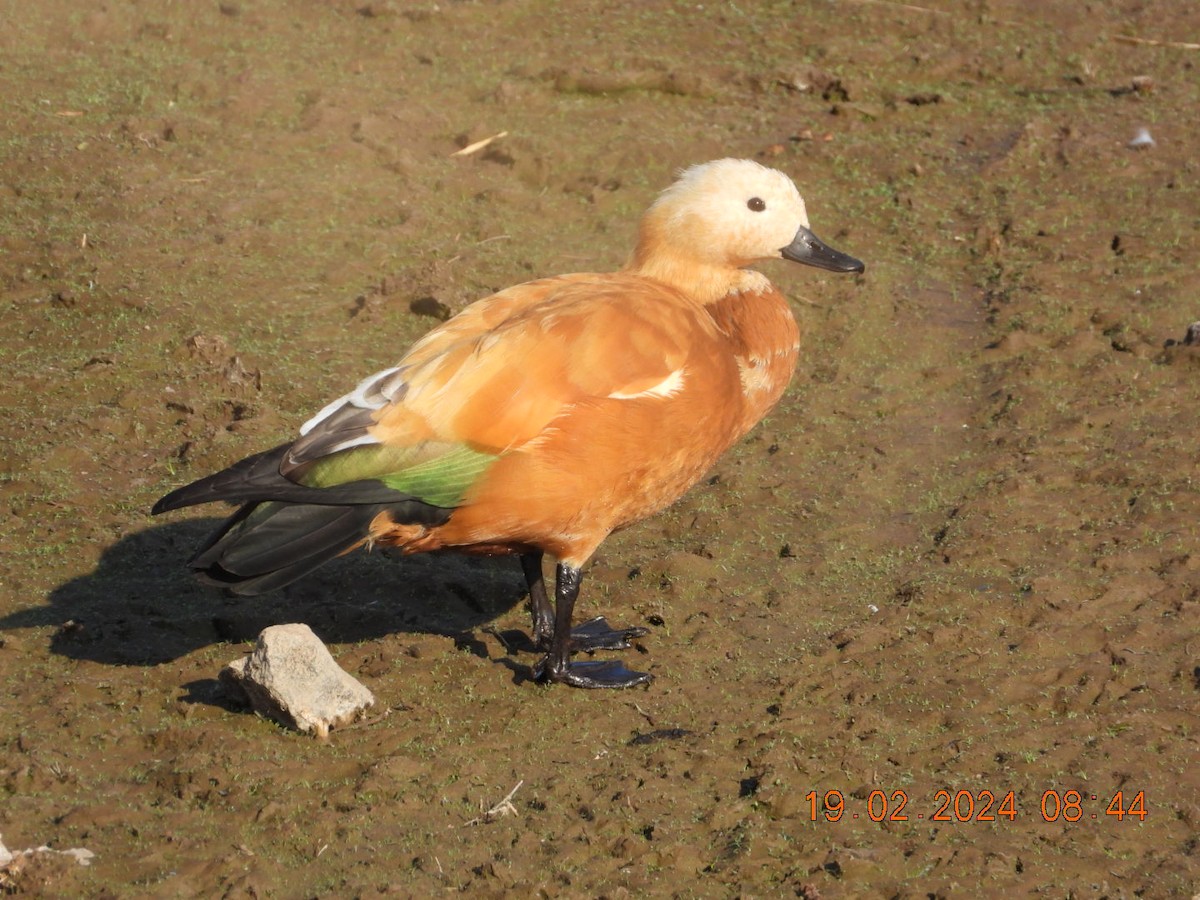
{"points": [[276, 535], [265, 546]]}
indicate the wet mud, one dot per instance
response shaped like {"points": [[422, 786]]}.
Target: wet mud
{"points": [[930, 630]]}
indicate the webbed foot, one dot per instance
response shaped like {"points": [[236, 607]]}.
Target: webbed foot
{"points": [[609, 673], [597, 634]]}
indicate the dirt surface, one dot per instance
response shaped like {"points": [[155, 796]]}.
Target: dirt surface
{"points": [[960, 560]]}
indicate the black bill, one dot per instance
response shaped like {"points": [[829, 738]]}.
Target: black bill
{"points": [[809, 249]]}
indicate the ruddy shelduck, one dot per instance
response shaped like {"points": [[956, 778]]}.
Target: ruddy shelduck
{"points": [[544, 417]]}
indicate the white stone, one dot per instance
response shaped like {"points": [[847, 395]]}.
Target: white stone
{"points": [[81, 855], [1142, 139], [291, 678]]}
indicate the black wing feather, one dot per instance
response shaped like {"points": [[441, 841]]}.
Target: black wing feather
{"points": [[284, 530], [257, 478], [342, 427]]}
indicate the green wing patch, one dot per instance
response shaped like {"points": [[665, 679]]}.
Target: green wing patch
{"points": [[444, 480], [436, 473]]}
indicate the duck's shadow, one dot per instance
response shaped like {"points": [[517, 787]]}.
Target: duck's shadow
{"points": [[141, 607]]}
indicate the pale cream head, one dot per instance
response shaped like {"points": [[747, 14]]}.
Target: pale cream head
{"points": [[718, 218], [730, 212]]}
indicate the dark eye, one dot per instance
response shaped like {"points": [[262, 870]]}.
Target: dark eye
{"points": [[757, 204]]}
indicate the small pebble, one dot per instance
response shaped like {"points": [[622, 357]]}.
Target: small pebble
{"points": [[1142, 139]]}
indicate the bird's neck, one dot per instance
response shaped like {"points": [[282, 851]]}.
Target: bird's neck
{"points": [[702, 282]]}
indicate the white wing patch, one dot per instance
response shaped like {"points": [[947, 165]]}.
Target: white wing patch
{"points": [[373, 392], [359, 441], [668, 387]]}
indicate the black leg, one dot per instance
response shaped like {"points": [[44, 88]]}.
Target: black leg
{"points": [[557, 665], [539, 603], [594, 634]]}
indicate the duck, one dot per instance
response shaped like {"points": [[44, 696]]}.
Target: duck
{"points": [[539, 420]]}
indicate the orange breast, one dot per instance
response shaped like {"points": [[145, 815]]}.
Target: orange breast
{"points": [[765, 341]]}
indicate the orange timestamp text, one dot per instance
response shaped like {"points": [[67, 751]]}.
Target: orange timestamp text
{"points": [[976, 806]]}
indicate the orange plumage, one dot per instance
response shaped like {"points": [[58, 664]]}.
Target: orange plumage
{"points": [[546, 416]]}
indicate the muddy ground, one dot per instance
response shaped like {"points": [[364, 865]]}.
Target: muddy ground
{"points": [[960, 560]]}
